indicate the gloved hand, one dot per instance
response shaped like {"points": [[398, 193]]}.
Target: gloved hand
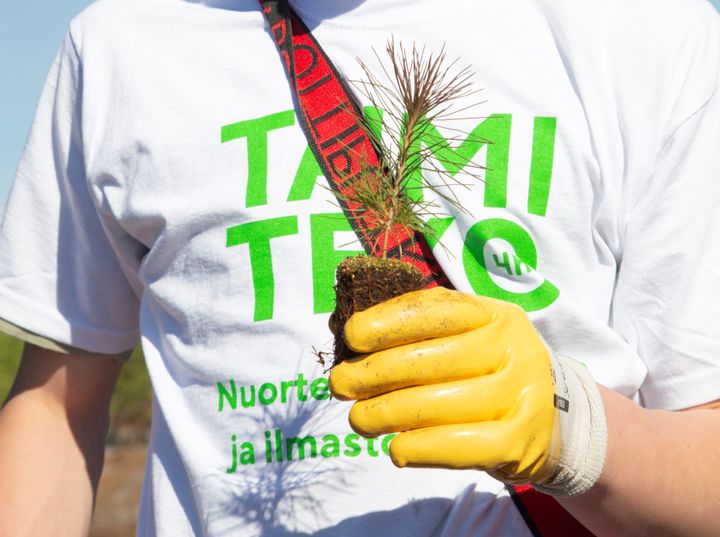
{"points": [[469, 383]]}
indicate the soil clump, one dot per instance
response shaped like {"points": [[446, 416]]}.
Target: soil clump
{"points": [[363, 282]]}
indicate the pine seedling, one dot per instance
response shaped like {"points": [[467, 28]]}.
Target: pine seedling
{"points": [[414, 89]]}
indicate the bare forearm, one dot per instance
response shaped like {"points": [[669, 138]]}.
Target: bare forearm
{"points": [[659, 474], [52, 437], [49, 471]]}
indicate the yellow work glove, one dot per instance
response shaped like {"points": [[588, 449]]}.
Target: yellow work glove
{"points": [[469, 383]]}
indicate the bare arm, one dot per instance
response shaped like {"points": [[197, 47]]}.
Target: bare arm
{"points": [[660, 474], [52, 438]]}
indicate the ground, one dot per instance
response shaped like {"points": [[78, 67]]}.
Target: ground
{"points": [[119, 492]]}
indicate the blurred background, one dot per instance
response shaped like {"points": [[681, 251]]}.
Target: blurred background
{"points": [[30, 33]]}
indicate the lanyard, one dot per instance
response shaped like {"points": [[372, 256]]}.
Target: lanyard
{"points": [[328, 115]]}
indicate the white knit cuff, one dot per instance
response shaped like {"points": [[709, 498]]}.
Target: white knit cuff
{"points": [[583, 430]]}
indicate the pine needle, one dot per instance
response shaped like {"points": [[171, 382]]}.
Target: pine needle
{"points": [[423, 88]]}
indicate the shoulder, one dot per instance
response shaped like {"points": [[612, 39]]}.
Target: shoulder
{"points": [[664, 21], [663, 25], [111, 24], [122, 25], [673, 45], [646, 54], [674, 37], [104, 15]]}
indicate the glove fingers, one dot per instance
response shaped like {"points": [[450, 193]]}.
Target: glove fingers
{"points": [[489, 446], [416, 316], [482, 446], [466, 401], [470, 354]]}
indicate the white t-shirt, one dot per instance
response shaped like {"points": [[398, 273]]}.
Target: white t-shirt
{"points": [[166, 197]]}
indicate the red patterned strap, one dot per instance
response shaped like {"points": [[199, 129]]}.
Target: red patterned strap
{"points": [[329, 117], [544, 516]]}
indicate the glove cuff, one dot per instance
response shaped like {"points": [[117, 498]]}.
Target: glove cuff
{"points": [[583, 430]]}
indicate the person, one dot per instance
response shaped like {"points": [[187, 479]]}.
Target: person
{"points": [[167, 197]]}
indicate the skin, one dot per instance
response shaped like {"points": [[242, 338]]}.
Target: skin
{"points": [[659, 476], [52, 439]]}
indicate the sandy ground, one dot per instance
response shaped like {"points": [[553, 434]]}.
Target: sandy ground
{"points": [[119, 492]]}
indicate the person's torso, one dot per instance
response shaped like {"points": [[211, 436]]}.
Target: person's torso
{"points": [[195, 148]]}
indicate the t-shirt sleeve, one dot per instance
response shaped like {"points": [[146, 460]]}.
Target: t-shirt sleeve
{"points": [[61, 277], [667, 298]]}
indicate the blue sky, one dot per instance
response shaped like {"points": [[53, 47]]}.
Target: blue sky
{"points": [[30, 33]]}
